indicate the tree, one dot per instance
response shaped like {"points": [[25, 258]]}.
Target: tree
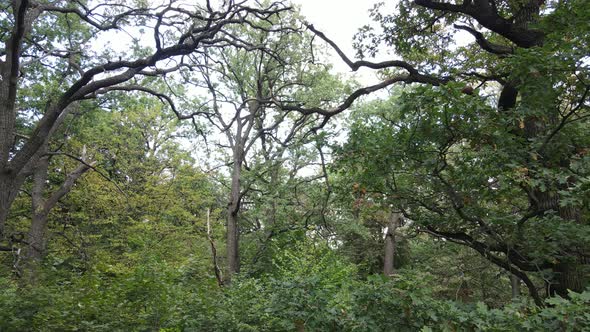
{"points": [[131, 231], [49, 66], [44, 198], [244, 90], [489, 150]]}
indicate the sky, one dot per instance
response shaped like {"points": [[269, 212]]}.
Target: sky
{"points": [[339, 20]]}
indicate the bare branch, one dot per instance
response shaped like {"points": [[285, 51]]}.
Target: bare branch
{"points": [[413, 76], [361, 63], [417, 78]]}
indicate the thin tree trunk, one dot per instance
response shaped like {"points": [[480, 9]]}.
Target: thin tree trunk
{"points": [[390, 244], [35, 249], [5, 188], [233, 234], [515, 286], [272, 209], [299, 325], [216, 268]]}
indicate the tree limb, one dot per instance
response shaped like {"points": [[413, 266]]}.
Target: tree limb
{"points": [[484, 43], [487, 15]]}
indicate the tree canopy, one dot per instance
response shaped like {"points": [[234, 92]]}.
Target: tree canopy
{"points": [[179, 166]]}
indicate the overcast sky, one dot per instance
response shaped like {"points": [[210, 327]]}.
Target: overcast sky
{"points": [[339, 20]]}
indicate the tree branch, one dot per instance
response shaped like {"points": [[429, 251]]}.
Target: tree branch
{"points": [[65, 188], [484, 250], [90, 166], [413, 76], [486, 14], [484, 43]]}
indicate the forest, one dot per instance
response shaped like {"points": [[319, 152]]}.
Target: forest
{"points": [[174, 165]]}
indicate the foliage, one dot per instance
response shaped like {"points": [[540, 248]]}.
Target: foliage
{"points": [[310, 286], [484, 151]]}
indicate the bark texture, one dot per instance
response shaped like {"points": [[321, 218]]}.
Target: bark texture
{"points": [[394, 222]]}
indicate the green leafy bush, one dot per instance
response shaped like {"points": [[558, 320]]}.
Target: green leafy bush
{"points": [[310, 287]]}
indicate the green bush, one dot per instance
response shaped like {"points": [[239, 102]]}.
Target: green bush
{"points": [[309, 286]]}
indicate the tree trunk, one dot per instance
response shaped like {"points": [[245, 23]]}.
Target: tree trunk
{"points": [[9, 82], [35, 249], [390, 244], [36, 242], [10, 185], [515, 286], [5, 188], [569, 275], [299, 325], [216, 268], [36, 238], [233, 208], [9, 188], [272, 209], [233, 253], [42, 203], [571, 271], [11, 181], [274, 195]]}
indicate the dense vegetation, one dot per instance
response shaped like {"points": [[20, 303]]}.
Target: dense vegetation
{"points": [[167, 166]]}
